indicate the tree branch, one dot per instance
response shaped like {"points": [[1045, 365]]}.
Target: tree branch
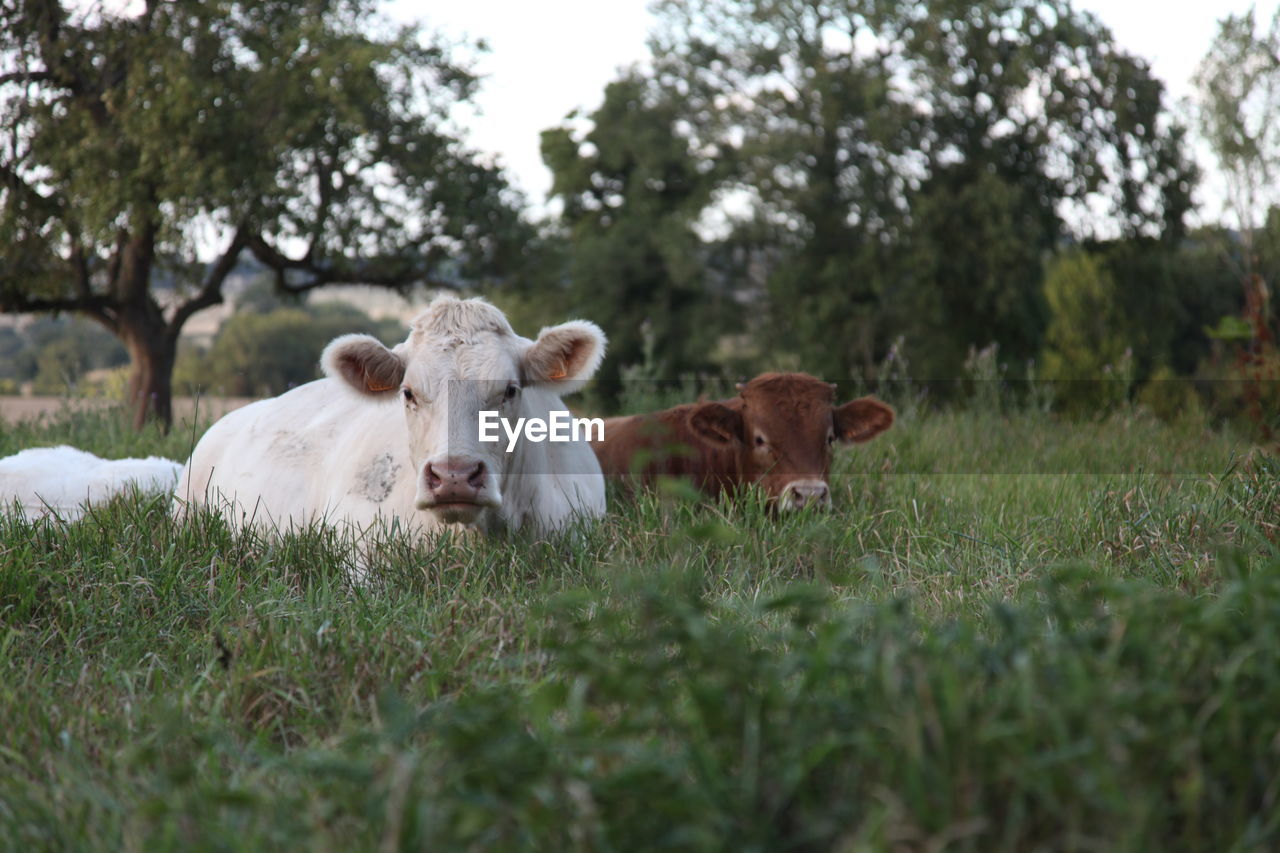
{"points": [[390, 273], [51, 204], [210, 292], [18, 303], [27, 77], [97, 308]]}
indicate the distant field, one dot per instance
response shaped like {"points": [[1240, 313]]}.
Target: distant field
{"points": [[1013, 633], [14, 409]]}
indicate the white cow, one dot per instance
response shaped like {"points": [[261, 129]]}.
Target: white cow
{"points": [[392, 433], [63, 480]]}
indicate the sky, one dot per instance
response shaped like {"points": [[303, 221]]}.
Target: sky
{"points": [[549, 58]]}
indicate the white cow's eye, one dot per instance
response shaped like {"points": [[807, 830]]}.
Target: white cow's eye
{"points": [[512, 391], [408, 395]]}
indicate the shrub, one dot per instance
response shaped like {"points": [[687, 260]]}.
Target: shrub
{"points": [[1169, 397], [1084, 349]]}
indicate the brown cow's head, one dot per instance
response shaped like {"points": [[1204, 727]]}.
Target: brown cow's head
{"points": [[782, 428]]}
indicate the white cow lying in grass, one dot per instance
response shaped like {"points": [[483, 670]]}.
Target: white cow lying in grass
{"points": [[63, 480], [392, 434]]}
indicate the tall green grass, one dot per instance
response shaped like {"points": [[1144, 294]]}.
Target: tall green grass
{"points": [[1013, 633], [106, 431]]}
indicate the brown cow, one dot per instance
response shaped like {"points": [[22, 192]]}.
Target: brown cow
{"points": [[778, 432]]}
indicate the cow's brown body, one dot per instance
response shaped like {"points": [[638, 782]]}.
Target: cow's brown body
{"points": [[662, 444], [778, 433]]}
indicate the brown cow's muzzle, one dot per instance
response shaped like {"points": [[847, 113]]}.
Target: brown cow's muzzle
{"points": [[799, 494], [455, 489]]}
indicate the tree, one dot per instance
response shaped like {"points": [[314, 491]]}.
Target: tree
{"points": [[1238, 89], [1032, 112], [973, 257], [632, 189], [816, 140], [313, 135], [1084, 345], [911, 163]]}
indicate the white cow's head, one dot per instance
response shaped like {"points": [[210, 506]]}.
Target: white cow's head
{"points": [[462, 357]]}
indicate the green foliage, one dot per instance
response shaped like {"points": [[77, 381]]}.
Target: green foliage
{"points": [[1244, 390], [1238, 88], [262, 354], [16, 359], [689, 726], [906, 167], [234, 111], [1083, 655], [317, 138], [1232, 329], [83, 346], [103, 431], [1164, 295], [53, 354], [1170, 397], [812, 139], [1102, 111], [969, 283], [1238, 85], [632, 189], [1085, 349]]}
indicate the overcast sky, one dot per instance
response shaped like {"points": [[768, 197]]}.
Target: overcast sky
{"points": [[548, 58]]}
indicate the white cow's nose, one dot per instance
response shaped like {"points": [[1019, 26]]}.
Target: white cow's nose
{"points": [[454, 480]]}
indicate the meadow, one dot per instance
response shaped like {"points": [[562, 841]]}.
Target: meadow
{"points": [[1014, 632]]}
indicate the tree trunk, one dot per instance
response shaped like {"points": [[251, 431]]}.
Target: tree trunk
{"points": [[152, 352]]}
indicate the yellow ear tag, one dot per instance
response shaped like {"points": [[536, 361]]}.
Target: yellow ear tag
{"points": [[560, 374], [369, 383]]}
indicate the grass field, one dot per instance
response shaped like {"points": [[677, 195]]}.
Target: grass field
{"points": [[1013, 633]]}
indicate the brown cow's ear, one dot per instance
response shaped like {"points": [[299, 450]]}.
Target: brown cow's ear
{"points": [[564, 357], [862, 419], [716, 424], [364, 364]]}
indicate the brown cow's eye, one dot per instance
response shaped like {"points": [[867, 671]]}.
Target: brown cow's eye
{"points": [[759, 441], [831, 438]]}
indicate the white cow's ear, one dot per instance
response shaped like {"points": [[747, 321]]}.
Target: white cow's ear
{"points": [[564, 357], [363, 363]]}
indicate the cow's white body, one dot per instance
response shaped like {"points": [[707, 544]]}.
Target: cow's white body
{"points": [[325, 452], [320, 453], [63, 480]]}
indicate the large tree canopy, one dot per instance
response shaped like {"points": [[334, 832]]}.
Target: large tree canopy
{"points": [[818, 143], [315, 135], [632, 191], [914, 162], [1238, 84]]}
